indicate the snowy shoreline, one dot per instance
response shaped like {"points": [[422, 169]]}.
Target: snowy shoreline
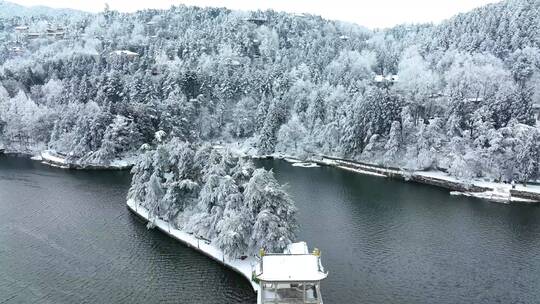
{"points": [[486, 190], [53, 159], [243, 267], [491, 191]]}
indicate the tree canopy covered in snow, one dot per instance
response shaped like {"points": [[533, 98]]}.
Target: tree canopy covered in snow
{"points": [[216, 196], [458, 96]]}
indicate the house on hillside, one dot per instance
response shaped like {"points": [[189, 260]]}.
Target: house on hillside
{"points": [[33, 35], [21, 29], [257, 21], [232, 62], [473, 99], [16, 50], [126, 53], [386, 80], [57, 33], [536, 112]]}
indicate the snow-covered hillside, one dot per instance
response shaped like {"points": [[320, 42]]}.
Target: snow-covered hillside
{"points": [[460, 96]]}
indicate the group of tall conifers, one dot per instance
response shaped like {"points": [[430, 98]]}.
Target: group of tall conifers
{"points": [[214, 195], [291, 84]]}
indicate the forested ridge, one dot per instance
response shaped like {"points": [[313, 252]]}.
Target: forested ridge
{"points": [[457, 96]]}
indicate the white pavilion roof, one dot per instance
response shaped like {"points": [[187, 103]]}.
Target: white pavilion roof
{"points": [[297, 248], [291, 268]]}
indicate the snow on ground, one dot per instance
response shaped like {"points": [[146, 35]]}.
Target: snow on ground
{"points": [[494, 196], [36, 157], [362, 171], [51, 156], [242, 149], [305, 165], [123, 163], [119, 163], [437, 174], [507, 187], [328, 162], [292, 160], [498, 188], [487, 195], [243, 267], [360, 167]]}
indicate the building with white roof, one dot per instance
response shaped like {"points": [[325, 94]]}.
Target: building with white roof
{"points": [[291, 277], [536, 112], [388, 78], [127, 53], [379, 78], [21, 28]]}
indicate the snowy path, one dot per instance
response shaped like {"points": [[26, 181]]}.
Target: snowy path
{"points": [[243, 267]]}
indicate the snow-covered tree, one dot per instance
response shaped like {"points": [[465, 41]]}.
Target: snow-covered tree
{"points": [[272, 212], [120, 136], [292, 85], [393, 144], [291, 136]]}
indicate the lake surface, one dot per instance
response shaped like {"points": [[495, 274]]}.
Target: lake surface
{"points": [[66, 236]]}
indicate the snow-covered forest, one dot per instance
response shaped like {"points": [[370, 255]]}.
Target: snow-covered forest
{"points": [[214, 195], [458, 96]]}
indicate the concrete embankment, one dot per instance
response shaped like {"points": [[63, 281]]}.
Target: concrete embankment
{"points": [[535, 196], [447, 184], [439, 179], [244, 267]]}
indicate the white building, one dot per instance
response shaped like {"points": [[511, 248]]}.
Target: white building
{"points": [[33, 35], [291, 277], [21, 28], [536, 112], [386, 79], [126, 53], [16, 50], [57, 32]]}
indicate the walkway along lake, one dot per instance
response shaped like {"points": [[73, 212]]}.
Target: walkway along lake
{"points": [[67, 236]]}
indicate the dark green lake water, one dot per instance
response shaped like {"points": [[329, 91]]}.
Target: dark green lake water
{"points": [[67, 237]]}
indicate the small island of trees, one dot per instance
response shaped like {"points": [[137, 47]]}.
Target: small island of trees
{"points": [[214, 195]]}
